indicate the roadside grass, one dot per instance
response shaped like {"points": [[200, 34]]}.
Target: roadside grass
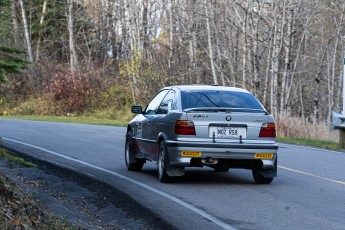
{"points": [[13, 159], [72, 119], [295, 130], [331, 145]]}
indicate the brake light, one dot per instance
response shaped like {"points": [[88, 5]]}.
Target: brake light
{"points": [[268, 130], [183, 127]]}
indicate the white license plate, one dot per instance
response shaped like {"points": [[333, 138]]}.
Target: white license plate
{"points": [[227, 132]]}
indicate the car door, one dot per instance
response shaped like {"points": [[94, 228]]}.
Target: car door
{"points": [[161, 123], [143, 123]]}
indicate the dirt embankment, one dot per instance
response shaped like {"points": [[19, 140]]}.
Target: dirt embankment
{"points": [[19, 210], [50, 197], [32, 199]]}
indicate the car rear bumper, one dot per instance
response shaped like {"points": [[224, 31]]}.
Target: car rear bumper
{"points": [[221, 151]]}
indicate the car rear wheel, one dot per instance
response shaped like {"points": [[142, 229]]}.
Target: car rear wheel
{"points": [[162, 164], [132, 163], [260, 179]]}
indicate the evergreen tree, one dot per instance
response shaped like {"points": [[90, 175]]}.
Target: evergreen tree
{"points": [[4, 2], [10, 62]]}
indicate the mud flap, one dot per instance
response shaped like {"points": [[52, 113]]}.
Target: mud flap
{"points": [[175, 171], [270, 172]]}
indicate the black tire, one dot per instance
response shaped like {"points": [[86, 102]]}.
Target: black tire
{"points": [[132, 163], [260, 179], [162, 163]]}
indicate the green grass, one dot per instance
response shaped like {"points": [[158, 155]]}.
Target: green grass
{"points": [[14, 159], [72, 119], [311, 142]]}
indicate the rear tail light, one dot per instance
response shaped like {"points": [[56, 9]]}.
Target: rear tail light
{"points": [[268, 130], [183, 127]]}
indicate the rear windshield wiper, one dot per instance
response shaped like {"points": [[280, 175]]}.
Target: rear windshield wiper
{"points": [[224, 109]]}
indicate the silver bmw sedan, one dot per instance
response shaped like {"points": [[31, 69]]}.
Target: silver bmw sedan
{"points": [[203, 125]]}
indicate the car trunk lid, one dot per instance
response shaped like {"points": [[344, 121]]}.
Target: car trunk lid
{"points": [[223, 123]]}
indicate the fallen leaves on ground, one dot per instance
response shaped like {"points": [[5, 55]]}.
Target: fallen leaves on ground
{"points": [[19, 211]]}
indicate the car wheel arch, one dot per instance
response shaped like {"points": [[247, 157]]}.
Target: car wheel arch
{"points": [[161, 137], [129, 129], [132, 163]]}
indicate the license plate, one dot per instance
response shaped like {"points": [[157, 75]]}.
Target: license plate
{"points": [[191, 154], [263, 155], [227, 132]]}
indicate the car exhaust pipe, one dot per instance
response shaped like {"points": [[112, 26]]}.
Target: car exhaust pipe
{"points": [[209, 161]]}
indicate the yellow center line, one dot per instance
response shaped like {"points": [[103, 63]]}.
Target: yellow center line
{"points": [[312, 175]]}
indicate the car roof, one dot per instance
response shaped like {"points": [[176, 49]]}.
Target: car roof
{"points": [[207, 87]]}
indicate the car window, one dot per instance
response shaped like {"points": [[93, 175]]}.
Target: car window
{"points": [[168, 103], [152, 107], [216, 98]]}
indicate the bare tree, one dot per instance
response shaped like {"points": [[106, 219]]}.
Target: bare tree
{"points": [[15, 23], [26, 32], [72, 45], [39, 41], [286, 52], [208, 10]]}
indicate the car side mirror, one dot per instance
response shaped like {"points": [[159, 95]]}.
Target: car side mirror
{"points": [[136, 109]]}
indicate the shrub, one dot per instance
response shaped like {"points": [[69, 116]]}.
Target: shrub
{"points": [[33, 106], [68, 92]]}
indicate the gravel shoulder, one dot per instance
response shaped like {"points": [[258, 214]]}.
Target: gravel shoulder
{"points": [[65, 199]]}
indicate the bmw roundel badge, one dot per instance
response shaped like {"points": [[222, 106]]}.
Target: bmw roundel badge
{"points": [[228, 118]]}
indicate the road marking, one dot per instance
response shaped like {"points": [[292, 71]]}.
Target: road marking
{"points": [[312, 175], [308, 147], [150, 188]]}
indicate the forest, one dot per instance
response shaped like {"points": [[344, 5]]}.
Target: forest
{"points": [[91, 55]]}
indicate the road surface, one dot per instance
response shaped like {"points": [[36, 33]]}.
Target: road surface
{"points": [[309, 192]]}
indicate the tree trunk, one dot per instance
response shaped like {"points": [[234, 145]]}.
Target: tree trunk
{"points": [[72, 47], [255, 50], [38, 48], [244, 50], [287, 47], [209, 39], [296, 61], [171, 39], [300, 97], [275, 63], [26, 32], [15, 24], [331, 81], [145, 25]]}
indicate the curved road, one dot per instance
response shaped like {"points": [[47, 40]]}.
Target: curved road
{"points": [[307, 194]]}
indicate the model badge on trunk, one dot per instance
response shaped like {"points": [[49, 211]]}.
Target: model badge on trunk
{"points": [[200, 116]]}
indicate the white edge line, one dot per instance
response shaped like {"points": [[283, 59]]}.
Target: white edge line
{"points": [[152, 189], [312, 175], [308, 147]]}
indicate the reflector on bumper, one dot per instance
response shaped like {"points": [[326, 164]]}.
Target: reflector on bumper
{"points": [[190, 154], [263, 155]]}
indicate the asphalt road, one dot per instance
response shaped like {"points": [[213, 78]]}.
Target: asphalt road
{"points": [[309, 192]]}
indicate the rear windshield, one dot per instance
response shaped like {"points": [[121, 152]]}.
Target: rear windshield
{"points": [[214, 98]]}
